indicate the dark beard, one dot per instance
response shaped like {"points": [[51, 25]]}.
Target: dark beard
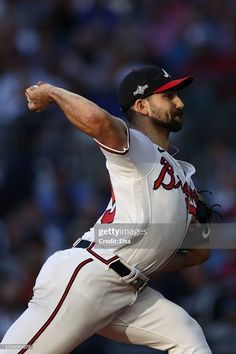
{"points": [[172, 126]]}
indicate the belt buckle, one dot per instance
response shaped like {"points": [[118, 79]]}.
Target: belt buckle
{"points": [[139, 284]]}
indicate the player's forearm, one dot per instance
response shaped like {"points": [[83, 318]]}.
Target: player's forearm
{"points": [[84, 114], [185, 259], [198, 256]]}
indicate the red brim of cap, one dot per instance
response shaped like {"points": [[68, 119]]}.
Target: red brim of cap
{"points": [[178, 84]]}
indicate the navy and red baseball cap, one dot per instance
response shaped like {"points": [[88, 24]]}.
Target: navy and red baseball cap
{"points": [[145, 81]]}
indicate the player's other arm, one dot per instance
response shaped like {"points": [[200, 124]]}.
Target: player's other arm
{"points": [[81, 112], [185, 259], [196, 255]]}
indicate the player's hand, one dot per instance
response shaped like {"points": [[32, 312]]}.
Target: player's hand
{"points": [[38, 97]]}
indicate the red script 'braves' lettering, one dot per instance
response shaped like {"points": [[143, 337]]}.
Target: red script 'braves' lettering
{"points": [[175, 183]]}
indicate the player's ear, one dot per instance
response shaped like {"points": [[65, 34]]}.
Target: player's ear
{"points": [[141, 106]]}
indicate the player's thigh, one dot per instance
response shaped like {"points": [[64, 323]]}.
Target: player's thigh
{"points": [[73, 298], [158, 323], [61, 313], [52, 333]]}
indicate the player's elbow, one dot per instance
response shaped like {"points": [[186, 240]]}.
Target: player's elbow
{"points": [[95, 123]]}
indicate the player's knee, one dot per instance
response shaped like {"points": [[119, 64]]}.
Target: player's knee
{"points": [[186, 329], [184, 322], [189, 334], [191, 328]]}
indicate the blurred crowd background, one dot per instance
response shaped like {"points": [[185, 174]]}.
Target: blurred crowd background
{"points": [[53, 181]]}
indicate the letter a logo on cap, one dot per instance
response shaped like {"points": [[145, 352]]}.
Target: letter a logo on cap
{"points": [[165, 73]]}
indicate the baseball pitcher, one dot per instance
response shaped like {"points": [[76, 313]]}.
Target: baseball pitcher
{"points": [[100, 285]]}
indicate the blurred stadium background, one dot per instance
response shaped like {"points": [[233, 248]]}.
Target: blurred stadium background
{"points": [[53, 184]]}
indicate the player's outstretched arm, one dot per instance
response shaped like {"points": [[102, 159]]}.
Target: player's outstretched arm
{"points": [[82, 113]]}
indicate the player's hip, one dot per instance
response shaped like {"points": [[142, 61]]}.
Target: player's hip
{"points": [[74, 273]]}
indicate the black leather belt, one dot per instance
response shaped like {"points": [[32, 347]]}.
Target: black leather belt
{"points": [[118, 267]]}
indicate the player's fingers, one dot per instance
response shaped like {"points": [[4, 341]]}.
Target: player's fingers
{"points": [[32, 106], [40, 83], [28, 98], [31, 89], [29, 93]]}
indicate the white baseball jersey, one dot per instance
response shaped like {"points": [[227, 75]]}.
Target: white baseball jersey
{"points": [[152, 204], [152, 191]]}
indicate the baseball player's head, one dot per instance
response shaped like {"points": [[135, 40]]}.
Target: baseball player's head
{"points": [[151, 92]]}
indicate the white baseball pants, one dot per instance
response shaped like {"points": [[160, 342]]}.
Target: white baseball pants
{"points": [[77, 295]]}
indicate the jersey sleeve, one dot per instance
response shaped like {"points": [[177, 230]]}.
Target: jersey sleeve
{"points": [[137, 159]]}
